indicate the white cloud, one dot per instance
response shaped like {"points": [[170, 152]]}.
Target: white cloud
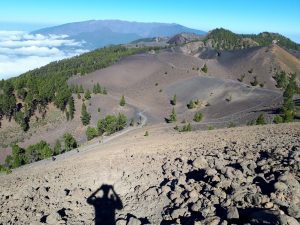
{"points": [[20, 51]]}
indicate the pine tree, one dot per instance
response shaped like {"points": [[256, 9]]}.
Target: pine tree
{"points": [[204, 68], [85, 116], [174, 100], [87, 94], [98, 88], [81, 90], [173, 116], [122, 101], [71, 107]]}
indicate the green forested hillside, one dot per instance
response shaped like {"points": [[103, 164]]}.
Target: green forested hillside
{"points": [[227, 40], [21, 96]]}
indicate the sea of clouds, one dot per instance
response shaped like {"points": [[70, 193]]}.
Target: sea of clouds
{"points": [[21, 51]]}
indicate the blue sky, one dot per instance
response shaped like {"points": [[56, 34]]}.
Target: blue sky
{"points": [[243, 16]]}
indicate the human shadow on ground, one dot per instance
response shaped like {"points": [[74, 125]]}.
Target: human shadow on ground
{"points": [[105, 205]]}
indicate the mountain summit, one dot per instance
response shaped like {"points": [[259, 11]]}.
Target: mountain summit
{"points": [[98, 33]]}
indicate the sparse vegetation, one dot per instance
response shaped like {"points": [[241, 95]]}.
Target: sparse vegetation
{"points": [[87, 94], [122, 101], [37, 88], [241, 79], [231, 124], [173, 100], [278, 119], [227, 40], [288, 109], [254, 82], [282, 79], [97, 89], [229, 98], [210, 127], [204, 68], [131, 122], [193, 104], [186, 128], [173, 117], [198, 117], [261, 120]]}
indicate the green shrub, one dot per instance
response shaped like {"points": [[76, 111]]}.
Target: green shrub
{"points": [[198, 116], [261, 119], [210, 127], [91, 133], [4, 169], [231, 124], [191, 104], [186, 128], [281, 79], [111, 124], [87, 94], [204, 68], [70, 142], [278, 119], [37, 152], [146, 134]]}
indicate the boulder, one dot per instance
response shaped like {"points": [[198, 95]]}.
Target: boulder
{"points": [[134, 221], [232, 213], [200, 163], [53, 218]]}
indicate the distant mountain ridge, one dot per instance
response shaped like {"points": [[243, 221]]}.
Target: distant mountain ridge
{"points": [[99, 33]]}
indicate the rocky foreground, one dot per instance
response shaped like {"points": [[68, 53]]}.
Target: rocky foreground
{"points": [[244, 175]]}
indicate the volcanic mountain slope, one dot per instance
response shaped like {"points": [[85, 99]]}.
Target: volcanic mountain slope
{"points": [[149, 81], [246, 64], [240, 175]]}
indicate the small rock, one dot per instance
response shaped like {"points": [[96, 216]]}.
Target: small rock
{"points": [[194, 196], [269, 205], [179, 212]]}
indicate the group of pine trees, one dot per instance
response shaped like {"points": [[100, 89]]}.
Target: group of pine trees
{"points": [[108, 125], [33, 153]]}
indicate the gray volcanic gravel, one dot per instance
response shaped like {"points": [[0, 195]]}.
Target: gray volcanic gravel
{"points": [[246, 175]]}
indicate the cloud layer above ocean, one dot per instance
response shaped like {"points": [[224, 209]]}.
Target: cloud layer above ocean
{"points": [[20, 51]]}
